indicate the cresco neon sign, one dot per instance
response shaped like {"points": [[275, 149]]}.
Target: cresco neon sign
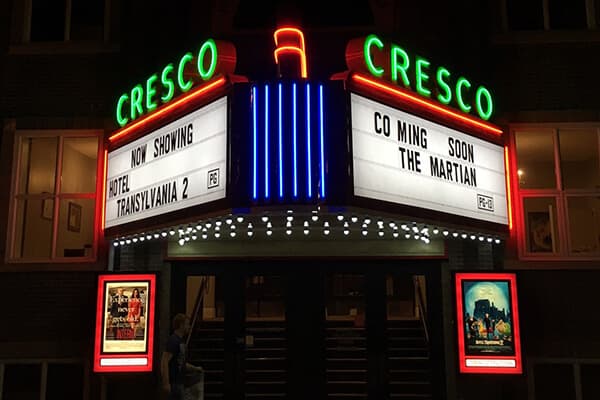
{"points": [[394, 63], [161, 87]]}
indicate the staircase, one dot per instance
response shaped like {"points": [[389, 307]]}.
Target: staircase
{"points": [[207, 349], [266, 361], [409, 367], [346, 363]]}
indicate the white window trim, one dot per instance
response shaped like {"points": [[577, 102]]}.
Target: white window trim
{"points": [[564, 252], [44, 372], [12, 220]]}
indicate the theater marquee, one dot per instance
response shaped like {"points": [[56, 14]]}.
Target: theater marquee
{"points": [[124, 323], [180, 165], [404, 159]]}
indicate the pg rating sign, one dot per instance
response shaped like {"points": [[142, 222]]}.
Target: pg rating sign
{"points": [[175, 167], [404, 159]]}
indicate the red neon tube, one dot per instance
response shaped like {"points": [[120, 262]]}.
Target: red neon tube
{"points": [[406, 96], [174, 105], [508, 188], [290, 36], [104, 190]]}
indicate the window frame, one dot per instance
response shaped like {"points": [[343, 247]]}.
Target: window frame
{"points": [[15, 196], [559, 193], [44, 372], [590, 16], [22, 44], [576, 363]]}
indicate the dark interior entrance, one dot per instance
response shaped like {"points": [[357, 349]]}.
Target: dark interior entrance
{"points": [[336, 331]]}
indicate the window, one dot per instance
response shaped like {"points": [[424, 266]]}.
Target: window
{"points": [[57, 379], [564, 378], [53, 206], [67, 20], [558, 172], [309, 14], [529, 15]]}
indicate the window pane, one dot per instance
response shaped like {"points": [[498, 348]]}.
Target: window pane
{"points": [[554, 381], [400, 293], [567, 14], [540, 224], [38, 165], [47, 20], [590, 384], [535, 159], [525, 14], [79, 165], [64, 382], [87, 20], [75, 228], [336, 14], [345, 295], [580, 168], [22, 382], [34, 228], [584, 224]]}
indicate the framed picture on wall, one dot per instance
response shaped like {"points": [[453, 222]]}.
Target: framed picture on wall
{"points": [[47, 208], [540, 232], [74, 217]]}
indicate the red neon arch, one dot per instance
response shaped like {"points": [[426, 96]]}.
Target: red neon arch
{"points": [[289, 37]]}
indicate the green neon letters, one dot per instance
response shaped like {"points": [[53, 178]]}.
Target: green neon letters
{"points": [[459, 97], [206, 74], [167, 83], [150, 92], [488, 98], [422, 76], [120, 119], [444, 89], [372, 40], [184, 86], [399, 67], [144, 98], [136, 101], [440, 75]]}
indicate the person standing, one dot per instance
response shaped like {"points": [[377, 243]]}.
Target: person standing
{"points": [[134, 313], [173, 364]]}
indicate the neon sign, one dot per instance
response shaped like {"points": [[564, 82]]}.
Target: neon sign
{"points": [[392, 62], [161, 87]]}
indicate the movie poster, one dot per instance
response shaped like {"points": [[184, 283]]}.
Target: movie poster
{"points": [[488, 323], [125, 328], [125, 323]]}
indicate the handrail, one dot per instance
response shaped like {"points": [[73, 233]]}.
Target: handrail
{"points": [[197, 307], [421, 306]]}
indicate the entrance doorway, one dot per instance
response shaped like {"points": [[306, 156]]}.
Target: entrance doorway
{"points": [[324, 332]]}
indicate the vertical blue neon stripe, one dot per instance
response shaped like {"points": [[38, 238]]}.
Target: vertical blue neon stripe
{"points": [[295, 150], [266, 141], [280, 154], [308, 150], [321, 142], [254, 145]]}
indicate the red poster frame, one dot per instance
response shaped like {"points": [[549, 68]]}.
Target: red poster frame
{"points": [[142, 361], [462, 356]]}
